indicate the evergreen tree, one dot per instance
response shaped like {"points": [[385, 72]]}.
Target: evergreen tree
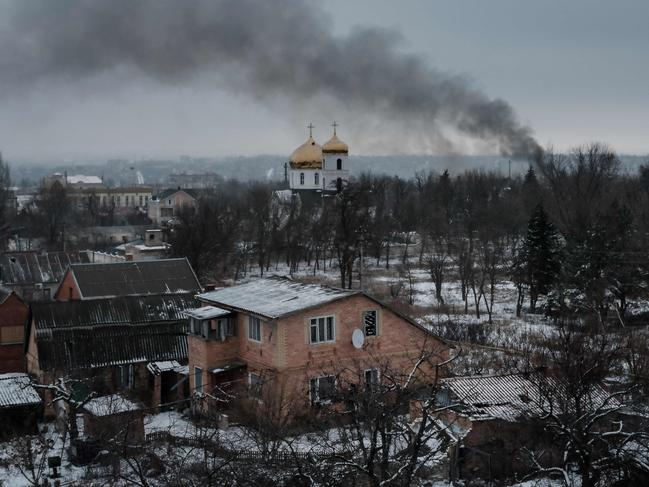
{"points": [[541, 255]]}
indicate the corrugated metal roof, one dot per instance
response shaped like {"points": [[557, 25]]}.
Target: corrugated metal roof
{"points": [[16, 390], [274, 297], [69, 349], [207, 312], [511, 397], [164, 276], [26, 268], [122, 310]]}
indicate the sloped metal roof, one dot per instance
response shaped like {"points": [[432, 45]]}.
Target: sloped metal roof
{"points": [[126, 310], [274, 297], [28, 268], [164, 276], [16, 390], [69, 349], [512, 397]]}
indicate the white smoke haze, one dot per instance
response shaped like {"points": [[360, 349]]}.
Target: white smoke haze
{"points": [[266, 50]]}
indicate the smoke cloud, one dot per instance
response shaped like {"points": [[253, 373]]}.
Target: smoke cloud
{"points": [[283, 48]]}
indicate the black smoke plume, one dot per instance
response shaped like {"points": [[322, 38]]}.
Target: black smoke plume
{"points": [[265, 48]]}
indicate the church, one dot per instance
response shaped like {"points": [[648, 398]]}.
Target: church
{"points": [[319, 168]]}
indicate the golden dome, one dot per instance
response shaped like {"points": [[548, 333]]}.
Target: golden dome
{"points": [[334, 144], [308, 155]]}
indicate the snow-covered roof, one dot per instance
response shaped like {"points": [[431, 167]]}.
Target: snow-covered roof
{"points": [[81, 179], [274, 297], [207, 312], [16, 390], [506, 397], [112, 404], [157, 368], [510, 397]]}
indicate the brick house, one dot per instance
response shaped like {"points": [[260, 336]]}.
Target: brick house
{"points": [[141, 278], [289, 340], [13, 316]]}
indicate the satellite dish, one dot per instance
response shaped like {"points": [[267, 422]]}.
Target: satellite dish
{"points": [[358, 338]]}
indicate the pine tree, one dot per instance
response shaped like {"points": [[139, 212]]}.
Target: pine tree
{"points": [[541, 255]]}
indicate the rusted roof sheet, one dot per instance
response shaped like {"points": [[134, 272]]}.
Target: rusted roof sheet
{"points": [[163, 276], [126, 310], [28, 268], [274, 297], [69, 349], [16, 390]]}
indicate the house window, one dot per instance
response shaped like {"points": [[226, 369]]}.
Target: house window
{"points": [[316, 179], [198, 379], [322, 389], [339, 164], [195, 326], [126, 200], [371, 378], [302, 178], [370, 323], [119, 200], [255, 384], [225, 328], [125, 376], [140, 200], [323, 329], [254, 328]]}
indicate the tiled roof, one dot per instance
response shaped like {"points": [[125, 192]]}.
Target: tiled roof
{"points": [[133, 310], [16, 390], [23, 268], [163, 276], [274, 297]]}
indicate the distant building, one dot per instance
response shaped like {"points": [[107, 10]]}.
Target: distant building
{"points": [[194, 180], [85, 191], [152, 277], [168, 203], [151, 247], [316, 168]]}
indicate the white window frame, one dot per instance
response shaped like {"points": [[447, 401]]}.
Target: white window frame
{"points": [[376, 324], [198, 372], [315, 325], [316, 400], [301, 179], [257, 322], [316, 179]]}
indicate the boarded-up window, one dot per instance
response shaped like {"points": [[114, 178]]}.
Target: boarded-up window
{"points": [[370, 323]]}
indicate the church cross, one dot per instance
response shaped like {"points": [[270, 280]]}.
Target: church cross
{"points": [[310, 127], [334, 125]]}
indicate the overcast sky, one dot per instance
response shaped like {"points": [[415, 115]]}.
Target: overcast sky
{"points": [[574, 71]]}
